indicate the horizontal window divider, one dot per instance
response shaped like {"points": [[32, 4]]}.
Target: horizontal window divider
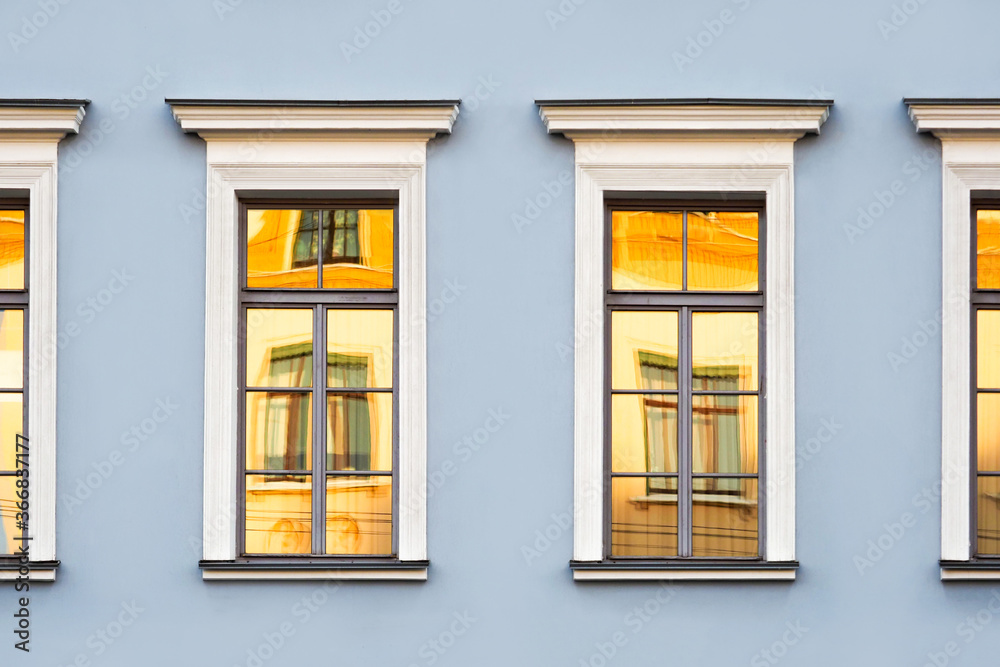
{"points": [[281, 473], [359, 473], [359, 390], [657, 392], [725, 475], [980, 297], [308, 298], [988, 473], [280, 390], [979, 391], [13, 298], [658, 475], [723, 392], [700, 301]]}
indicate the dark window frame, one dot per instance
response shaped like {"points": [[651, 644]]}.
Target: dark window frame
{"points": [[685, 302], [17, 299], [320, 300]]}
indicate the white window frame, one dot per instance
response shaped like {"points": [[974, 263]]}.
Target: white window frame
{"points": [[30, 132], [273, 147], [969, 131], [684, 147]]}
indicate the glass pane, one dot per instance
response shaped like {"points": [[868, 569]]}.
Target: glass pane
{"points": [[358, 248], [279, 347], [279, 514], [988, 249], [643, 350], [646, 250], [988, 432], [359, 348], [11, 349], [988, 349], [724, 351], [724, 518], [724, 434], [722, 251], [279, 430], [8, 510], [644, 433], [11, 249], [11, 423], [359, 515], [644, 516], [359, 431], [282, 247], [988, 516]]}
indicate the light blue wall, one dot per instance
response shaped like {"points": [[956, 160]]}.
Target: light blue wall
{"points": [[497, 346]]}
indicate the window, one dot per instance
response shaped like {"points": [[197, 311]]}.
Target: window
{"points": [[673, 401], [315, 337], [30, 132], [319, 481], [13, 366], [986, 379], [685, 311]]}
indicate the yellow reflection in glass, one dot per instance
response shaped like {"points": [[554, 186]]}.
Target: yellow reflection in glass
{"points": [[279, 514], [724, 434], [644, 433], [359, 431], [643, 350], [988, 249], [724, 518], [8, 510], [988, 516], [11, 424], [11, 249], [282, 247], [358, 248], [359, 515], [279, 347], [646, 250], [722, 251], [11, 349], [279, 430], [988, 432], [724, 351], [644, 516], [988, 349], [359, 348]]}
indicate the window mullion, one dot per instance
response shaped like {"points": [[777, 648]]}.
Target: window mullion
{"points": [[319, 431], [684, 443]]}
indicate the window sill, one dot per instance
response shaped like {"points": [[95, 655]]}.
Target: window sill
{"points": [[38, 570], [970, 570], [684, 571], [313, 571]]}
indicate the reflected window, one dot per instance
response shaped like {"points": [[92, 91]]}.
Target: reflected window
{"points": [[985, 299], [319, 436], [685, 383], [13, 366]]}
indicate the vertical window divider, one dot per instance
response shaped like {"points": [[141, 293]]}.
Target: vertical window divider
{"points": [[684, 427], [319, 430]]}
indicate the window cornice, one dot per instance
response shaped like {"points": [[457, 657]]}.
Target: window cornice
{"points": [[423, 119], [52, 117], [955, 118], [790, 119]]}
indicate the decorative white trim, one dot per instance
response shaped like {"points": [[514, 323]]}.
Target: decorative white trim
{"points": [[727, 161], [306, 574], [44, 574], [970, 161], [326, 162], [29, 151], [969, 574], [790, 120], [679, 574], [414, 121]]}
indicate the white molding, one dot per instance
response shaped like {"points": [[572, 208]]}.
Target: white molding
{"points": [[416, 121], [56, 120], [969, 574], [43, 574], [309, 574], [29, 163], [788, 121], [956, 119], [683, 574], [712, 164], [327, 162]]}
